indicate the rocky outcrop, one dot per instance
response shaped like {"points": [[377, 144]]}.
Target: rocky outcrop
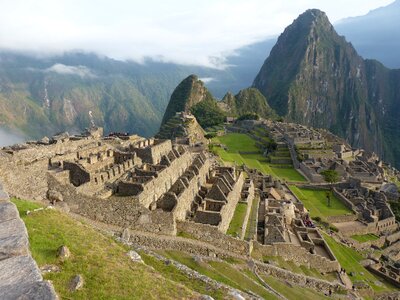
{"points": [[187, 94], [314, 77], [20, 277], [191, 96]]}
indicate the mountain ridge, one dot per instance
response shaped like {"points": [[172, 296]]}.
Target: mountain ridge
{"points": [[315, 77]]}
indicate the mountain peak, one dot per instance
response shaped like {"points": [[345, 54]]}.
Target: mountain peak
{"points": [[188, 93]]}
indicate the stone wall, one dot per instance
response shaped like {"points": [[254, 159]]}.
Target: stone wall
{"points": [[297, 254], [185, 199], [312, 176], [124, 212], [152, 190], [157, 242], [153, 152], [20, 277], [210, 234], [300, 280], [341, 219]]}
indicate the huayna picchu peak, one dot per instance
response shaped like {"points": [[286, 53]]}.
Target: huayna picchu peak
{"points": [[315, 77]]}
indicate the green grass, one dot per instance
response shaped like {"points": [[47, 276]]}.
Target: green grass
{"points": [[304, 270], [245, 282], [364, 237], [224, 272], [236, 142], [185, 235], [251, 223], [292, 292], [316, 203], [350, 259], [107, 270], [236, 225], [174, 274]]}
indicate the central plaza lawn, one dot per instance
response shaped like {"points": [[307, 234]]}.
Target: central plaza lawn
{"points": [[316, 203], [350, 259], [364, 237], [235, 142]]}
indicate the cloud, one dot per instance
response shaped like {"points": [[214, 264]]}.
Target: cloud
{"points": [[207, 79], [81, 71], [200, 32], [7, 138]]}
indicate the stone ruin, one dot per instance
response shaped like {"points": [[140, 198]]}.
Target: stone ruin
{"points": [[371, 207], [282, 219]]}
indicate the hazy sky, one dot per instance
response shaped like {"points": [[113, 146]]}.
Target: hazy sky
{"points": [[185, 31]]}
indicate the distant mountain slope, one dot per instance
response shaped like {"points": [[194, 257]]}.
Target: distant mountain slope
{"points": [[375, 35], [247, 101], [41, 96], [314, 77]]}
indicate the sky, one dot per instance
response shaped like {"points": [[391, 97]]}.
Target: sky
{"points": [[200, 32]]}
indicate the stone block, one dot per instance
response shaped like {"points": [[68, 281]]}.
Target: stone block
{"points": [[18, 271], [3, 196], [8, 211], [41, 290]]}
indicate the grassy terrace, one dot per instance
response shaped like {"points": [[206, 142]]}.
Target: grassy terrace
{"points": [[350, 259], [364, 237], [292, 292], [103, 263], [304, 270], [316, 203], [235, 228], [236, 142], [221, 271], [252, 222]]}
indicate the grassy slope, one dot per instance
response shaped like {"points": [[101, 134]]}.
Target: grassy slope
{"points": [[350, 260], [236, 142], [106, 269], [221, 271], [316, 203], [235, 227], [251, 223]]}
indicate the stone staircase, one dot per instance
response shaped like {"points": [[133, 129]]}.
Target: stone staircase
{"points": [[20, 277]]}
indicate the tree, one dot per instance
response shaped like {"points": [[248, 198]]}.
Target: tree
{"points": [[330, 176]]}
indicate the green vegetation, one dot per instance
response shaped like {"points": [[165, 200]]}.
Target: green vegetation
{"points": [[304, 270], [364, 237], [236, 225], [395, 206], [235, 142], [221, 271], [252, 222], [292, 292], [316, 203], [208, 113], [175, 275], [350, 259], [248, 104], [330, 176], [103, 263]]}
